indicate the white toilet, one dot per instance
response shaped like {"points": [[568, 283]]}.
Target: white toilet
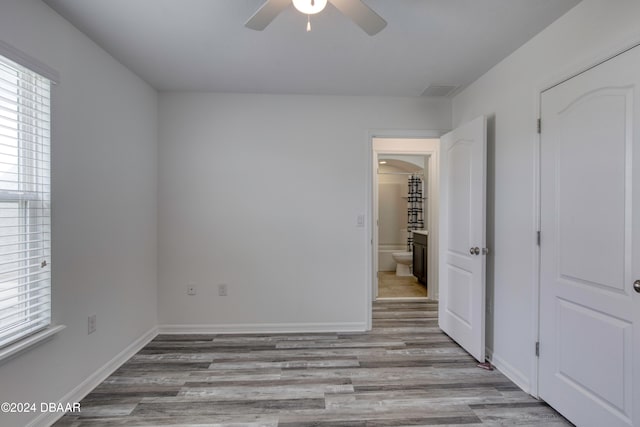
{"points": [[403, 263]]}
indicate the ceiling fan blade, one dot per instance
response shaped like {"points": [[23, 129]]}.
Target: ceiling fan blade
{"points": [[361, 14], [267, 13]]}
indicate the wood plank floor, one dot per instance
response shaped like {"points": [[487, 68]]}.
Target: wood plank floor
{"points": [[405, 372]]}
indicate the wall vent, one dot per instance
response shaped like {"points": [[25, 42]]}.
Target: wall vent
{"points": [[439, 90]]}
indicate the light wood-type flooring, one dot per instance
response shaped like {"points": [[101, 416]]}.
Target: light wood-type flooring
{"points": [[392, 286], [405, 372]]}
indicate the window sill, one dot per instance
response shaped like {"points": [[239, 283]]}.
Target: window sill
{"points": [[29, 342]]}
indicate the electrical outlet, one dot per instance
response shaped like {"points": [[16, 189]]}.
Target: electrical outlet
{"points": [[191, 289], [91, 324], [222, 290]]}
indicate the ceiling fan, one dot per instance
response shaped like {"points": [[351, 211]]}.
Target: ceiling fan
{"points": [[359, 13]]}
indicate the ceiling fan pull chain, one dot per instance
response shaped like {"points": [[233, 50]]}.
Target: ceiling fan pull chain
{"points": [[313, 3]]}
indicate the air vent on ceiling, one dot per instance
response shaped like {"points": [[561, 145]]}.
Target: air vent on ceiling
{"points": [[439, 90]]}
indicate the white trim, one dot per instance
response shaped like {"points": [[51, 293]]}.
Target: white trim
{"points": [[519, 378], [85, 387], [535, 280], [369, 283], [262, 328], [371, 199], [28, 342], [29, 62]]}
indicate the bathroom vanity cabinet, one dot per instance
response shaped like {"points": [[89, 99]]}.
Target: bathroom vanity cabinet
{"points": [[420, 256]]}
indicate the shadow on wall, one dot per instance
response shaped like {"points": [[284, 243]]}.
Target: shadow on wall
{"points": [[491, 222]]}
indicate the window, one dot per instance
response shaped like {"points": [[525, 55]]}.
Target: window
{"points": [[25, 224]]}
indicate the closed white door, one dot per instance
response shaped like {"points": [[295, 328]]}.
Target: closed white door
{"points": [[589, 366], [463, 161]]}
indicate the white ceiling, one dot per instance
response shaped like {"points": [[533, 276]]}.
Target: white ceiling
{"points": [[202, 45]]}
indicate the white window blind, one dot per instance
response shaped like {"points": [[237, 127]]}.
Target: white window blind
{"points": [[25, 196]]}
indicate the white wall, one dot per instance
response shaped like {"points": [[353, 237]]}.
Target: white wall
{"points": [[104, 156], [508, 93], [261, 192]]}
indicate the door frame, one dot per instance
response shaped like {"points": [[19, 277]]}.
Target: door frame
{"points": [[372, 198], [575, 70]]}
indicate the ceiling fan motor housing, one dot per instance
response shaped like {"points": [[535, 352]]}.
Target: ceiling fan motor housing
{"points": [[310, 7]]}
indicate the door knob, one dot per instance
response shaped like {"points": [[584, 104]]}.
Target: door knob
{"points": [[636, 286], [471, 251], [474, 251]]}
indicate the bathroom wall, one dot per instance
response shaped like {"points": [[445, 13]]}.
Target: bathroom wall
{"points": [[392, 206], [392, 216], [392, 196]]}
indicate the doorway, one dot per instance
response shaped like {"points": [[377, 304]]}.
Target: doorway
{"points": [[451, 157], [397, 165], [402, 211]]}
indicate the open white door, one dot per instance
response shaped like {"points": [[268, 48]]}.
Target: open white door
{"points": [[463, 159], [589, 367]]}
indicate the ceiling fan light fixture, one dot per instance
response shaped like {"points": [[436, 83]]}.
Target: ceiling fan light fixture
{"points": [[310, 7]]}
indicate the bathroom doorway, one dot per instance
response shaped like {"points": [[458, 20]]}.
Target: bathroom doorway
{"points": [[402, 208], [405, 210]]}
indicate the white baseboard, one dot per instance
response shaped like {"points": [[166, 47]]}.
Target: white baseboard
{"points": [[509, 371], [262, 328], [46, 419]]}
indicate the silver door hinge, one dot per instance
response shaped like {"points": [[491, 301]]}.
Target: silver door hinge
{"points": [[539, 125], [538, 238], [538, 349]]}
